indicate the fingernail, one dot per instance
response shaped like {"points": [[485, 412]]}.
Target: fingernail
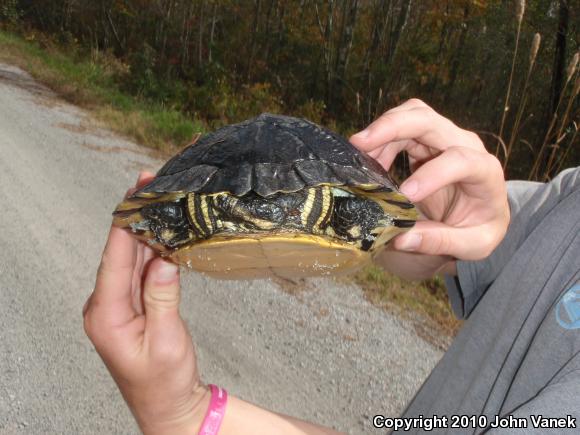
{"points": [[410, 188], [410, 241], [362, 134], [130, 192], [166, 272]]}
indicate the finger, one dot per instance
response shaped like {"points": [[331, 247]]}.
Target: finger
{"points": [[415, 151], [477, 171], [148, 255], [407, 105], [137, 279], [375, 153], [111, 299], [386, 156], [161, 296], [410, 265], [436, 238], [144, 178], [87, 304], [422, 124], [396, 125], [130, 191], [411, 103]]}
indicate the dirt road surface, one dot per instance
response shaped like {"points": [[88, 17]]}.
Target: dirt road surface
{"points": [[324, 354]]}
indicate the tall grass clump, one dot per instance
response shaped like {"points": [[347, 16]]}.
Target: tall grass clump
{"points": [[555, 137], [523, 99], [561, 134], [519, 13]]}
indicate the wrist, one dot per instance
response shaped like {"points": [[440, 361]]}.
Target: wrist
{"points": [[188, 424], [413, 266], [448, 268]]}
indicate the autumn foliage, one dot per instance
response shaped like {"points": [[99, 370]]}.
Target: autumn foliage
{"points": [[342, 62]]}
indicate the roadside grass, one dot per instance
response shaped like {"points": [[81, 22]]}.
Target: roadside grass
{"points": [[89, 82], [436, 321]]}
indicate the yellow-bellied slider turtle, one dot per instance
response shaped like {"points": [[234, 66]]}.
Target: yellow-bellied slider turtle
{"points": [[271, 196]]}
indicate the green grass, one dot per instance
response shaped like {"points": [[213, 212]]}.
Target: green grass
{"points": [[90, 82]]}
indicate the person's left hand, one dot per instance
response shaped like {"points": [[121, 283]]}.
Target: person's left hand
{"points": [[133, 320]]}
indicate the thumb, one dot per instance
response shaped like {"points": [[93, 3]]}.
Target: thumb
{"points": [[161, 293], [436, 238]]}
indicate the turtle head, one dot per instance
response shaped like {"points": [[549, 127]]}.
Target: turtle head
{"points": [[162, 224], [371, 220]]}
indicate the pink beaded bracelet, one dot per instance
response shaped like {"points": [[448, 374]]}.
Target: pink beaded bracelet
{"points": [[215, 413]]}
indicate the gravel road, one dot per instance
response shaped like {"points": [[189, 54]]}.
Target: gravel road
{"points": [[322, 354]]}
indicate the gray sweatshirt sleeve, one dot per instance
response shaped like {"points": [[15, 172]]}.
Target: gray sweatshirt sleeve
{"points": [[560, 399], [529, 203]]}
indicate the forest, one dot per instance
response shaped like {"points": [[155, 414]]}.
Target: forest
{"points": [[507, 69]]}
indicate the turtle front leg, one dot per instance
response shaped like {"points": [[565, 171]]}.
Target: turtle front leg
{"points": [[250, 212]]}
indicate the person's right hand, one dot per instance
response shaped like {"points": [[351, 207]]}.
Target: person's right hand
{"points": [[457, 185]]}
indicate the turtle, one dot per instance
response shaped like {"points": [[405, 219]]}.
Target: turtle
{"points": [[273, 196]]}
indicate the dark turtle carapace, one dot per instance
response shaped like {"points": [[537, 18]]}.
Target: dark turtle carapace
{"points": [[271, 196]]}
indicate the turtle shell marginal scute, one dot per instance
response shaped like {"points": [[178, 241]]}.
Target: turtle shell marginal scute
{"points": [[267, 155]]}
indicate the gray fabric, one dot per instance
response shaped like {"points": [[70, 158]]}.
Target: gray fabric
{"points": [[518, 352], [484, 272]]}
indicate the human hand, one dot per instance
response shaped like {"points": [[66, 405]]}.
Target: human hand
{"points": [[457, 185], [133, 320]]}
